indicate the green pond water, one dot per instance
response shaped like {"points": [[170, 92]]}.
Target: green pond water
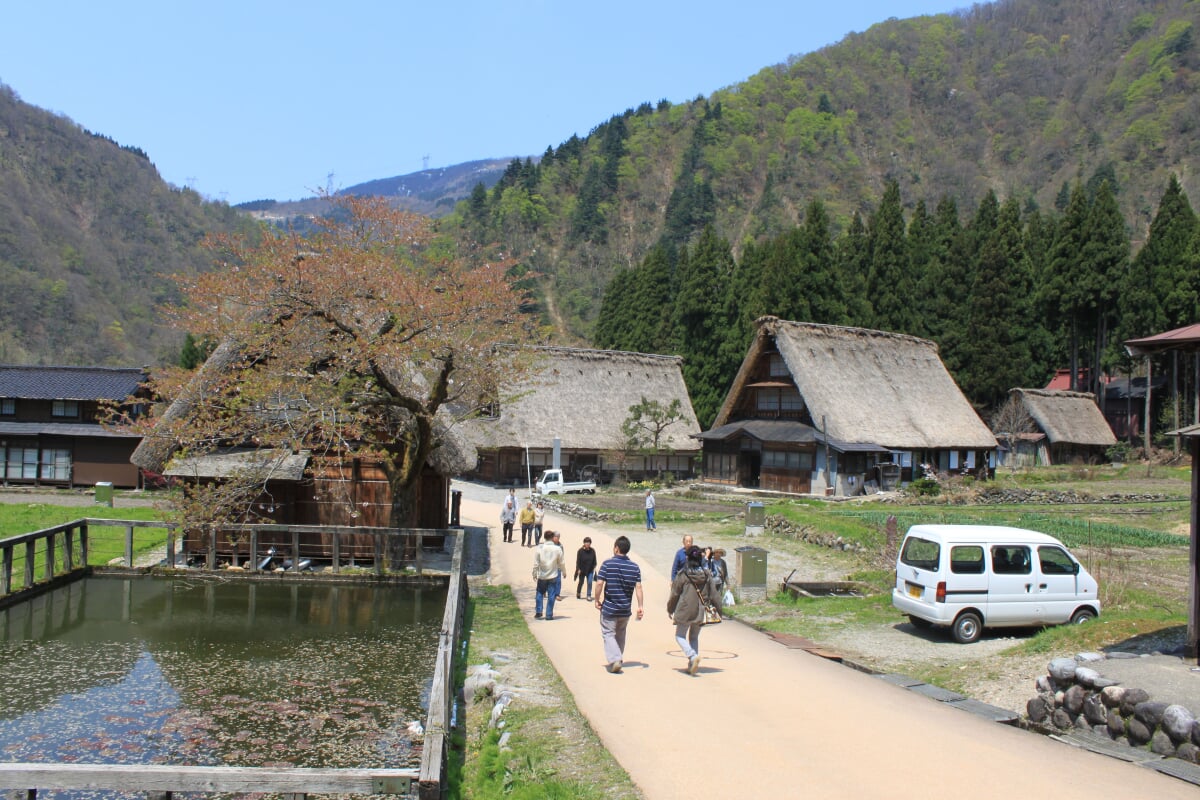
{"points": [[208, 672]]}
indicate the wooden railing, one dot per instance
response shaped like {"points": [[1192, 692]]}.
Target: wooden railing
{"points": [[382, 556], [37, 558], [163, 780], [434, 757], [41, 556]]}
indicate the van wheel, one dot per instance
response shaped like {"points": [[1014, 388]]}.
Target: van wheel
{"points": [[1081, 616], [919, 622], [967, 628]]}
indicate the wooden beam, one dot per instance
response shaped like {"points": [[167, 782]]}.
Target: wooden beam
{"points": [[170, 778], [1192, 645]]}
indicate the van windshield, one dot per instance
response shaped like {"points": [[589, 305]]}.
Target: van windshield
{"points": [[921, 553]]}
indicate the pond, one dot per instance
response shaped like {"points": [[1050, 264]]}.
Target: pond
{"points": [[212, 672]]}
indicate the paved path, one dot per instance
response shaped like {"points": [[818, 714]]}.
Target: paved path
{"points": [[782, 722]]}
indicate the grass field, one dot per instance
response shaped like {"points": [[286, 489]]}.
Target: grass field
{"points": [[104, 542]]}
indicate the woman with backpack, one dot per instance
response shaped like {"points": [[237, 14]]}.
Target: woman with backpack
{"points": [[693, 588]]}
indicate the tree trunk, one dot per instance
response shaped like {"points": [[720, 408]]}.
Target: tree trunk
{"points": [[1074, 384], [403, 550]]}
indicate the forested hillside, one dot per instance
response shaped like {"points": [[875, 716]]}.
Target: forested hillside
{"points": [[1018, 100], [88, 229]]}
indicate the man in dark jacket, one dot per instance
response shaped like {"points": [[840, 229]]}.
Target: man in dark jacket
{"points": [[585, 568]]}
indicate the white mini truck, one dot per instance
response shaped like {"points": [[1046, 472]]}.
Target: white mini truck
{"points": [[552, 482], [971, 577]]}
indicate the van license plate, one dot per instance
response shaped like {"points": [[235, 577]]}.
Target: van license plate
{"points": [[915, 590]]}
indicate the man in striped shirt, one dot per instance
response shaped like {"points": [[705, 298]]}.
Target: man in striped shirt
{"points": [[618, 582]]}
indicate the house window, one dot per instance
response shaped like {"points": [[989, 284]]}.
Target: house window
{"points": [[720, 466], [8, 407], [21, 463], [776, 400], [56, 464], [787, 459], [67, 409], [776, 367], [854, 462]]}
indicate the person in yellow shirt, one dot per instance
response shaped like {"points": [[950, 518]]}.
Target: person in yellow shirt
{"points": [[527, 517]]}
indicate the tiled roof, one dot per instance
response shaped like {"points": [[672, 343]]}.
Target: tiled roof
{"points": [[69, 383], [76, 429]]}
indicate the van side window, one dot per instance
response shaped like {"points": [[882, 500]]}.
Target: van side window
{"points": [[1055, 561], [921, 553], [966, 559], [1010, 559]]}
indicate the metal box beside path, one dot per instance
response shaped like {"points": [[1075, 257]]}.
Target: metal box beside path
{"points": [[751, 572], [756, 519], [104, 493]]}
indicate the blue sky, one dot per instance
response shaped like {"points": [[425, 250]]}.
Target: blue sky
{"points": [[247, 100]]}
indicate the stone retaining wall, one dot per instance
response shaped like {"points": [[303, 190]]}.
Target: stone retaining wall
{"points": [[781, 526], [1008, 496], [1075, 695], [569, 509]]}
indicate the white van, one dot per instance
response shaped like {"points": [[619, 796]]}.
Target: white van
{"points": [[969, 577]]}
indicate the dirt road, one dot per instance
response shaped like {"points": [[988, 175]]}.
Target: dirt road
{"points": [[780, 722]]}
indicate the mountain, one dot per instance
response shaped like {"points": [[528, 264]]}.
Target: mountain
{"points": [[88, 232], [433, 192], [1018, 97]]}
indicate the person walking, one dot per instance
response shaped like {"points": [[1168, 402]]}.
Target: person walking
{"points": [[681, 556], [691, 588], [539, 520], [585, 567], [650, 526], [719, 569], [548, 567], [618, 583], [528, 515], [556, 537], [508, 514]]}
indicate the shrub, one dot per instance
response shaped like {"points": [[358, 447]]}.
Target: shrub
{"points": [[925, 487], [1119, 453]]}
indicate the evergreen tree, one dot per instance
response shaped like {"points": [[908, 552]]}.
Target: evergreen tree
{"points": [[1106, 255], [890, 279], [921, 246], [1065, 294], [613, 319], [820, 297], [194, 351], [779, 281], [997, 354], [1160, 292], [699, 323], [945, 285], [853, 255], [651, 302]]}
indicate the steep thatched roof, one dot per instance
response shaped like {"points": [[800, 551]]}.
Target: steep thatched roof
{"points": [[868, 386], [582, 397], [1067, 417], [454, 452], [264, 465]]}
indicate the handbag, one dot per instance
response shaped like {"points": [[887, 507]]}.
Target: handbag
{"points": [[711, 615]]}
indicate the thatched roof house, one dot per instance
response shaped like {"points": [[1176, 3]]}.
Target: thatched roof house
{"points": [[817, 408], [1071, 425], [343, 489], [581, 397]]}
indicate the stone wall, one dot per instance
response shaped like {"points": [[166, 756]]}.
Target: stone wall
{"points": [[1073, 694]]}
